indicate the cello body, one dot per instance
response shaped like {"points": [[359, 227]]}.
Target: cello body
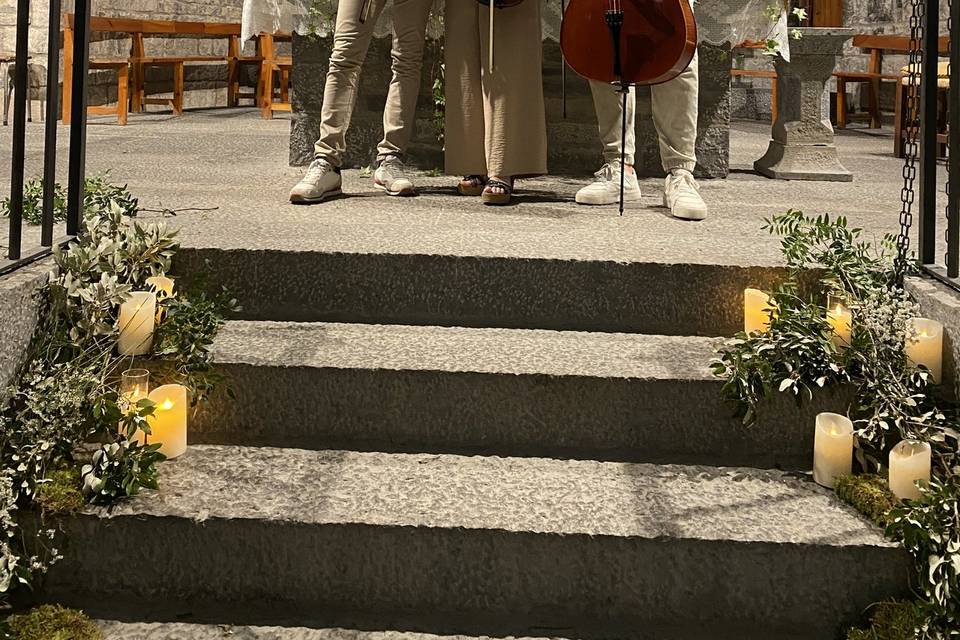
{"points": [[658, 40]]}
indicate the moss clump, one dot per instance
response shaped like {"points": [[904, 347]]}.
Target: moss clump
{"points": [[53, 622], [62, 493], [891, 621], [869, 494]]}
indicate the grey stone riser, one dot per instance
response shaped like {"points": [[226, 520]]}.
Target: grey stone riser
{"points": [[654, 298], [469, 581], [617, 419]]}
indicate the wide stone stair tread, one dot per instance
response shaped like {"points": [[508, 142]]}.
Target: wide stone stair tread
{"points": [[489, 391], [463, 349], [479, 546], [511, 494], [113, 630]]}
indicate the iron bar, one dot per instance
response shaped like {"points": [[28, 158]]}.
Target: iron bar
{"points": [[927, 201], [78, 114], [50, 135], [20, 88], [953, 128]]}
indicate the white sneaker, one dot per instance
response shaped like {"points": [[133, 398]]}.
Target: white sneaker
{"points": [[681, 194], [391, 176], [321, 181], [606, 188]]}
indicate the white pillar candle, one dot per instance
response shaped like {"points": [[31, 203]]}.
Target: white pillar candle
{"points": [[134, 387], [926, 346], [136, 323], [909, 462], [840, 318], [756, 311], [832, 448], [168, 424], [163, 287]]}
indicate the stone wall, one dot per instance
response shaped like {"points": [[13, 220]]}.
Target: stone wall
{"points": [[206, 85], [19, 309], [574, 144]]}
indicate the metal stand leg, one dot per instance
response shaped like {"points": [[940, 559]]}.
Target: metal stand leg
{"points": [[6, 93]]}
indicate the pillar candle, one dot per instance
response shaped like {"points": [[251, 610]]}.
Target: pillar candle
{"points": [[134, 387], [136, 323], [832, 448], [840, 318], [163, 287], [168, 424], [926, 347], [756, 311], [909, 461]]}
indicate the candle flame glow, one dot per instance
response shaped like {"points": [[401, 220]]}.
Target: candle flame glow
{"points": [[839, 310], [167, 405]]}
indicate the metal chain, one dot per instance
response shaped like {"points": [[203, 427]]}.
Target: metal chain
{"points": [[910, 146]]}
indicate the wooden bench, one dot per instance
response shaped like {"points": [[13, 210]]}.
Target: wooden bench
{"points": [[131, 72], [876, 46]]}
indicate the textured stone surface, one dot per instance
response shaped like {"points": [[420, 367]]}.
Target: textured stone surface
{"points": [[18, 317], [802, 147], [574, 143], [491, 391], [113, 630], [471, 545]]}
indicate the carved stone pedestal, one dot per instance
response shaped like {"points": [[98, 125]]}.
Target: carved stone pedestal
{"points": [[802, 145]]}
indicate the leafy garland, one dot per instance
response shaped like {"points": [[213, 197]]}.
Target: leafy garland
{"points": [[66, 395], [893, 399]]}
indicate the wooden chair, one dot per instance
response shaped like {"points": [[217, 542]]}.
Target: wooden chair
{"points": [[762, 73], [902, 117], [271, 64]]}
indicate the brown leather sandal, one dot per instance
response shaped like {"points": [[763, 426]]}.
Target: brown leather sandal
{"points": [[472, 185], [497, 199]]}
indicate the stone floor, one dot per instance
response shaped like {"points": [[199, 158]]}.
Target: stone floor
{"points": [[235, 163]]}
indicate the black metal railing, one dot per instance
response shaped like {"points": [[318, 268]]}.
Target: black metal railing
{"points": [[938, 118], [16, 255]]}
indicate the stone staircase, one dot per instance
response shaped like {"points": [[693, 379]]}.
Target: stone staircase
{"points": [[480, 445]]}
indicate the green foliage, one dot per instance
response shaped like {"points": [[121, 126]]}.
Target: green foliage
{"points": [[120, 469], [869, 494], [893, 399], [930, 530], [98, 193], [891, 621], [52, 622], [60, 492], [185, 336]]}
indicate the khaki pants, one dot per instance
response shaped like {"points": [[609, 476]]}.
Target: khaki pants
{"points": [[675, 105], [350, 43], [495, 122]]}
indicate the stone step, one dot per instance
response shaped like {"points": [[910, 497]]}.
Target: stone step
{"points": [[115, 630], [480, 546], [563, 394], [597, 274]]}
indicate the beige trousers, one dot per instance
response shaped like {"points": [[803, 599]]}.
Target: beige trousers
{"points": [[675, 106], [350, 43], [495, 122]]}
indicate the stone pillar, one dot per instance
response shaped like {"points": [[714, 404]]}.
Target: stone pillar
{"points": [[802, 145]]}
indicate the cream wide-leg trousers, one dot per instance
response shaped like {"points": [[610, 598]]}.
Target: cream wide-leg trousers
{"points": [[675, 107], [495, 122], [350, 43]]}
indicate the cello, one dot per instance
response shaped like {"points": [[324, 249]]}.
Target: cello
{"points": [[628, 43]]}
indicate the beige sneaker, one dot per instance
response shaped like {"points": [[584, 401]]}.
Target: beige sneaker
{"points": [[605, 189], [321, 181], [391, 176], [681, 194]]}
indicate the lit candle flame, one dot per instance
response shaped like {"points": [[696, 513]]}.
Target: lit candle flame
{"points": [[839, 310], [167, 405]]}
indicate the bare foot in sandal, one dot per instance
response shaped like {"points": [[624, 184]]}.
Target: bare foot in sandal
{"points": [[472, 185], [498, 192]]}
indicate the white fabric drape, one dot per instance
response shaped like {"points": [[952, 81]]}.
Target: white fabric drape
{"points": [[718, 21]]}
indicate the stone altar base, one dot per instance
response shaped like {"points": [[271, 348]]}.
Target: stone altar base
{"points": [[574, 143]]}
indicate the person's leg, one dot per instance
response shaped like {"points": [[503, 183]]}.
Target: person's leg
{"points": [[464, 115], [409, 34], [514, 114], [350, 43], [675, 112], [608, 102], [399, 115]]}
